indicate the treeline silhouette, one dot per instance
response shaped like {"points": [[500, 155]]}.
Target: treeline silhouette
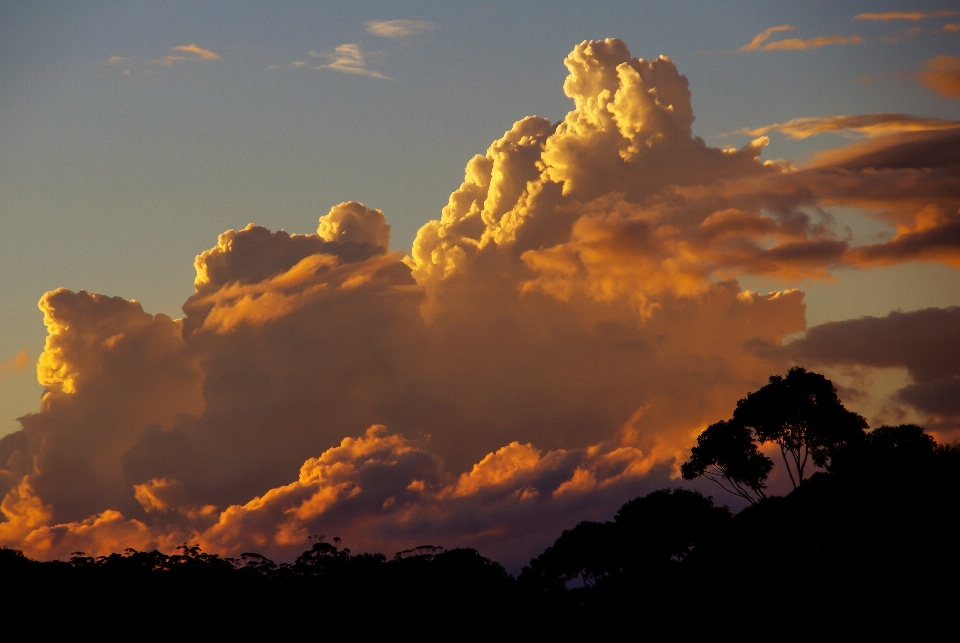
{"points": [[867, 537]]}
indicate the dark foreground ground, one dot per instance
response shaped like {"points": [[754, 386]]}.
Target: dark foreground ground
{"points": [[870, 546]]}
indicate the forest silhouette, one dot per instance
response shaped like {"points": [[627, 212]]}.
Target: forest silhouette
{"points": [[865, 538]]}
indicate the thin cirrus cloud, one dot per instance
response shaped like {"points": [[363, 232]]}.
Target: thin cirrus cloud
{"points": [[866, 124], [555, 341], [205, 54], [942, 76], [398, 28], [759, 42], [904, 15], [185, 53], [14, 364]]}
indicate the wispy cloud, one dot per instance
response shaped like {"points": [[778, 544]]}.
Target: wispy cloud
{"points": [[296, 64], [866, 124], [398, 28], [198, 54], [761, 37], [205, 54], [906, 35], [942, 75], [348, 58], [793, 44], [904, 15], [15, 364], [812, 43], [185, 53], [952, 26]]}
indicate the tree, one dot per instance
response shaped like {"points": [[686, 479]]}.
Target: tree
{"points": [[802, 414], [890, 452], [727, 451], [585, 552], [658, 531]]}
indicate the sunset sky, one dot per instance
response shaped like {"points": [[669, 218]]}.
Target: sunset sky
{"points": [[525, 266]]}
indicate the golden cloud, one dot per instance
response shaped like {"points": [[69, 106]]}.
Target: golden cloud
{"points": [[551, 347], [205, 54], [868, 124]]}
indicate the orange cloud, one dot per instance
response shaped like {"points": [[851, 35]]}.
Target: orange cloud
{"points": [[942, 76], [205, 54], [795, 43], [904, 15], [168, 60], [869, 124], [551, 347], [763, 36]]}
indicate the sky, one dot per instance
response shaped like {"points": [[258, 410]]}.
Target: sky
{"points": [[523, 265]]}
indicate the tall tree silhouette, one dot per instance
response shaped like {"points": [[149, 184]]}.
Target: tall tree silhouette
{"points": [[727, 451], [801, 414]]}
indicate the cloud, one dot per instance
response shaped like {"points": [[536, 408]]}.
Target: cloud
{"points": [[195, 54], [953, 26], [909, 33], [14, 364], [942, 76], [868, 124], [205, 54], [398, 28], [904, 15], [551, 347], [763, 36], [925, 342], [794, 44], [348, 59]]}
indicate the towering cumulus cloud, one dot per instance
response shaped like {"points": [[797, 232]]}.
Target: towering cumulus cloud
{"points": [[550, 348]]}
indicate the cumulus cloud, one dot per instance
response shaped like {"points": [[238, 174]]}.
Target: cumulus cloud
{"points": [[759, 41], [348, 58], [398, 28], [550, 348], [941, 75], [867, 124]]}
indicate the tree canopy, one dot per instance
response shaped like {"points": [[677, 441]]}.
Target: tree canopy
{"points": [[802, 414], [727, 451]]}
